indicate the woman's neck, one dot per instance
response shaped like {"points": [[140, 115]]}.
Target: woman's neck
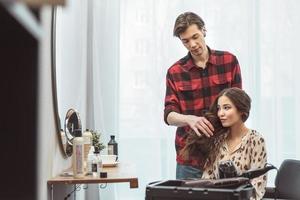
{"points": [[237, 131]]}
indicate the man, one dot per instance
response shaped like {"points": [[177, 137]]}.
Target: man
{"points": [[193, 83]]}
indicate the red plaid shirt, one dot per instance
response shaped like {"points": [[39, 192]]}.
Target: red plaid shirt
{"points": [[191, 90]]}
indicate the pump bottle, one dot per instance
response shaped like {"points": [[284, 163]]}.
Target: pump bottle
{"points": [[87, 137], [78, 142], [90, 159], [97, 163]]}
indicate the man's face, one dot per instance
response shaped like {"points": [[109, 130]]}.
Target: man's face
{"points": [[193, 40]]}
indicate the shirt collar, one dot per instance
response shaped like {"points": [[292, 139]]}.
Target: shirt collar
{"points": [[188, 62]]}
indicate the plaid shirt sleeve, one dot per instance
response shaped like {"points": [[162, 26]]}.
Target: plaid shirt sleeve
{"points": [[171, 98], [236, 74]]}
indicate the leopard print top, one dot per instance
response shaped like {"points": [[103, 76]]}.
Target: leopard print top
{"points": [[249, 154]]}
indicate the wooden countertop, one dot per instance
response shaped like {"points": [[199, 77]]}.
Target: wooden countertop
{"points": [[123, 172]]}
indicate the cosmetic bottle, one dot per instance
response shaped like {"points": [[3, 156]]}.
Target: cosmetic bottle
{"points": [[90, 160], [112, 146], [87, 137], [78, 142], [97, 163]]}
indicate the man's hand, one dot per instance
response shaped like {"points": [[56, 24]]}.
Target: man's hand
{"points": [[200, 123], [196, 123]]}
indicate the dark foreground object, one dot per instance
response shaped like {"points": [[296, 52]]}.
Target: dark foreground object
{"points": [[174, 190]]}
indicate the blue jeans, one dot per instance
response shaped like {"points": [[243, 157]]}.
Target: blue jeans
{"points": [[185, 172]]}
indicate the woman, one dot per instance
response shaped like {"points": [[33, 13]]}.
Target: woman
{"points": [[243, 146]]}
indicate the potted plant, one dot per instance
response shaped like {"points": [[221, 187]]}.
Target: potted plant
{"points": [[96, 142]]}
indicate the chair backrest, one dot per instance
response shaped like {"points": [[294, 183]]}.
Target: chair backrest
{"points": [[287, 181]]}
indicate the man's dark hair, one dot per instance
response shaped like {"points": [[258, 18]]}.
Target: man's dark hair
{"points": [[185, 20]]}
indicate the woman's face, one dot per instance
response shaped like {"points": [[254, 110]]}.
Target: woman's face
{"points": [[227, 112]]}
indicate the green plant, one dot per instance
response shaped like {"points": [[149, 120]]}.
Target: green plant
{"points": [[96, 140]]}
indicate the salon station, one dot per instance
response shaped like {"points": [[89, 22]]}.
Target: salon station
{"points": [[97, 102]]}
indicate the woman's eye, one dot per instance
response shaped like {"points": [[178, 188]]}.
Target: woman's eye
{"points": [[227, 107]]}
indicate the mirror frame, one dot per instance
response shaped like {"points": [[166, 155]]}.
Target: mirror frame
{"points": [[71, 124], [54, 83]]}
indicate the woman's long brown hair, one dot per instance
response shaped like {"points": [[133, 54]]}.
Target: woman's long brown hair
{"points": [[204, 147]]}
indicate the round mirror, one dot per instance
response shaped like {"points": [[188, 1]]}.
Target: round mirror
{"points": [[72, 123], [65, 144], [68, 65]]}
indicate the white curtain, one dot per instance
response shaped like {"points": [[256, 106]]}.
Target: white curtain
{"points": [[264, 37], [130, 47]]}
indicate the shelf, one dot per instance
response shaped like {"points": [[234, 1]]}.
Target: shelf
{"points": [[44, 2], [121, 173], [37, 2]]}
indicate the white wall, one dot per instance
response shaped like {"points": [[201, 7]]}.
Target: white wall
{"points": [[50, 159]]}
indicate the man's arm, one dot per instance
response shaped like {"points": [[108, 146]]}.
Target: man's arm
{"points": [[198, 124], [236, 74], [173, 117]]}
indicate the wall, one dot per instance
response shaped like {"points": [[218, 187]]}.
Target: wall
{"points": [[50, 159]]}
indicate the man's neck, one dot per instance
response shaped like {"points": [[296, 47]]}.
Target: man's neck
{"points": [[202, 59]]}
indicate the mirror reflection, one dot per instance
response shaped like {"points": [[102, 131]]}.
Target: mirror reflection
{"points": [[72, 123], [87, 63], [68, 62]]}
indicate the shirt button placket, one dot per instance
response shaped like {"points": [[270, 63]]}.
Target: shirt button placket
{"points": [[205, 90]]}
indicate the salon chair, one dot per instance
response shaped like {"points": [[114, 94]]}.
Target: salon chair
{"points": [[287, 181]]}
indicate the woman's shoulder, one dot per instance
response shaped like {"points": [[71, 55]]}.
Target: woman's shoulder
{"points": [[256, 136]]}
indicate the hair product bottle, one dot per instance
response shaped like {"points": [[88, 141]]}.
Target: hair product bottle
{"points": [[87, 137], [112, 146], [97, 163], [89, 162], [78, 142]]}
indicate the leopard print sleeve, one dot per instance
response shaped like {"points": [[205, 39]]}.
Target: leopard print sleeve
{"points": [[258, 160]]}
